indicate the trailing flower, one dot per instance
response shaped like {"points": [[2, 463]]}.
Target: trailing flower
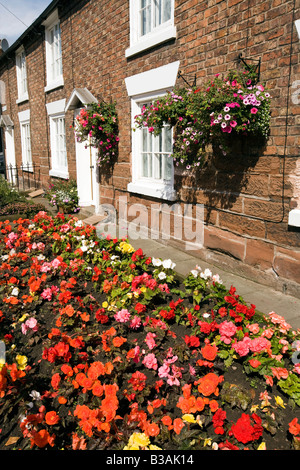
{"points": [[97, 125], [214, 115]]}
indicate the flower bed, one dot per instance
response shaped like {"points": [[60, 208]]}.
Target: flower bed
{"points": [[106, 349]]}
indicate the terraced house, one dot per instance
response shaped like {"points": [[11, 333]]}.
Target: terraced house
{"points": [[132, 52]]}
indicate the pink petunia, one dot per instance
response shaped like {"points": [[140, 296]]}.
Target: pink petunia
{"points": [[253, 110]]}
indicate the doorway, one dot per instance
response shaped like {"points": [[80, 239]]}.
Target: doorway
{"points": [[86, 171]]}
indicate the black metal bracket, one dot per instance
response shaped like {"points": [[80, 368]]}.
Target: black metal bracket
{"points": [[181, 76], [249, 66]]}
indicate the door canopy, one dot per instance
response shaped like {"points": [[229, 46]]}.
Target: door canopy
{"points": [[79, 98]]}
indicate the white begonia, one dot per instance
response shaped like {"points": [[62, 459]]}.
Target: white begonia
{"points": [[162, 276], [79, 223], [15, 292], [156, 262], [35, 395], [168, 264], [216, 278], [195, 272], [206, 274]]}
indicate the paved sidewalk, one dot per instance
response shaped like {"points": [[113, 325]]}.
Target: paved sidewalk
{"points": [[265, 298]]}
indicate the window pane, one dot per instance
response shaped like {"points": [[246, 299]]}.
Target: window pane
{"points": [[59, 154], [162, 10], [55, 52], [155, 154], [166, 10], [145, 17]]}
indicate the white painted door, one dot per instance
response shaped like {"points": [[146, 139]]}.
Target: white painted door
{"points": [[86, 167], [10, 156]]}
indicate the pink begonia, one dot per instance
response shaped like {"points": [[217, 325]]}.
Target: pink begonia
{"points": [[164, 288], [242, 347], [254, 328], [135, 322], [150, 361], [137, 352], [149, 340], [278, 320], [163, 371], [122, 315], [173, 379], [31, 323], [227, 329], [46, 267], [64, 228], [259, 344], [55, 263], [297, 368], [47, 294], [268, 333]]}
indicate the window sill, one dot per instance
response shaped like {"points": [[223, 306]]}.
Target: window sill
{"points": [[152, 39], [53, 85], [22, 98], [26, 170], [158, 191], [59, 174]]}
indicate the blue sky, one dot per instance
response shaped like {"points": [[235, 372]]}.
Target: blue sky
{"points": [[17, 15]]}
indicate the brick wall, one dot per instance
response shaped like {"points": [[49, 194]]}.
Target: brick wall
{"points": [[247, 198]]}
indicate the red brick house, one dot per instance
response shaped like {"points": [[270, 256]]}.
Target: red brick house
{"points": [[131, 51]]}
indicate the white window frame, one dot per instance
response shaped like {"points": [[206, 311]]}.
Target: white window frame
{"points": [[54, 80], [56, 111], [157, 35], [24, 119], [21, 70], [142, 88]]}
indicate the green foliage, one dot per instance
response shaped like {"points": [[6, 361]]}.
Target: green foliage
{"points": [[8, 194]]}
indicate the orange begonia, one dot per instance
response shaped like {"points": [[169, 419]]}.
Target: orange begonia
{"points": [[294, 427], [178, 425], [209, 384], [152, 429], [42, 438], [51, 418]]}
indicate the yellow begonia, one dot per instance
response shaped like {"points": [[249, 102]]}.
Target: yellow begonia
{"points": [[23, 318], [137, 441], [279, 401], [22, 361], [126, 247], [189, 418], [262, 446]]}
